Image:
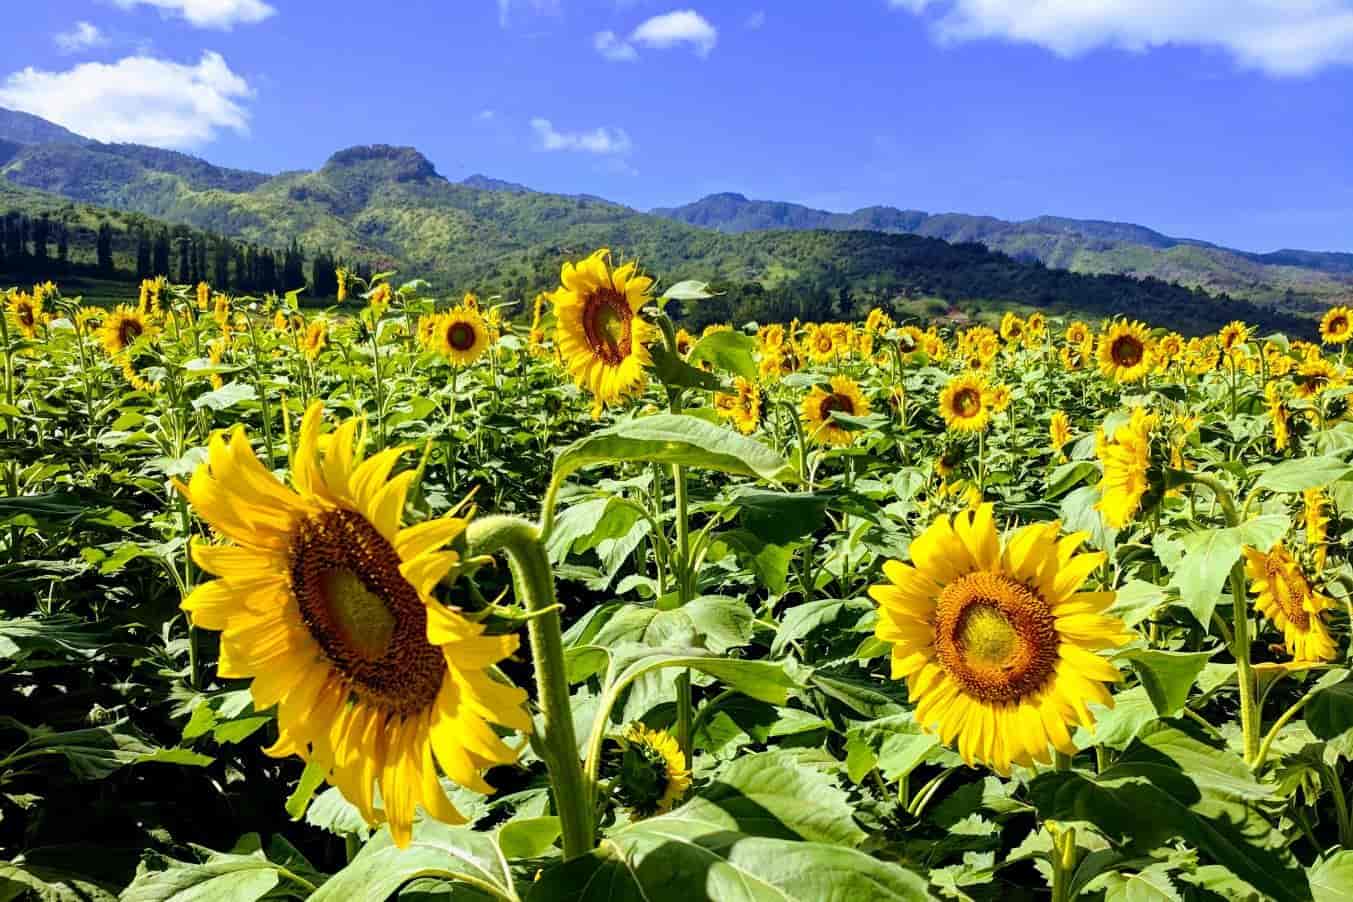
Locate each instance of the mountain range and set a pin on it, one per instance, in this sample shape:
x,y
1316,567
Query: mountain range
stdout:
x,y
389,206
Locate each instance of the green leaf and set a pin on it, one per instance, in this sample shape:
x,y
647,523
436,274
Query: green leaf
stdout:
x,y
1167,676
1203,570
766,681
437,850
25,880
675,439
672,371
774,794
1330,710
729,351
226,396
779,518
223,877
528,837
1302,474
95,752
688,290
1331,878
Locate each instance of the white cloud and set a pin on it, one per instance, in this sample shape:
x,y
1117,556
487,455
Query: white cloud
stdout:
x,y
683,26
756,20
609,45
599,140
505,7
1280,37
224,14
137,99
82,37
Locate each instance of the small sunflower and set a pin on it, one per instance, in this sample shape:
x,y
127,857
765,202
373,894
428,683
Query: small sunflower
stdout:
x,y
1059,432
600,334
684,342
328,605
818,407
88,319
1232,335
1169,350
1202,355
995,640
1314,504
743,407
461,335
965,404
379,299
203,296
1125,351
771,336
934,345
653,775
1283,595
1012,328
1126,459
1035,327
122,328
25,310
998,398
315,338
910,340
820,343
877,321
1279,415
780,362
1075,357
1315,376
1336,327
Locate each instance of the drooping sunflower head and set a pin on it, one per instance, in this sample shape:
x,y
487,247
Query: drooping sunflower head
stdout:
x,y
203,296
652,774
995,639
843,397
1283,595
1125,351
1279,415
461,335
877,321
1316,520
599,332
1059,431
743,407
1233,334
334,612
1126,458
25,311
1012,328
965,403
124,327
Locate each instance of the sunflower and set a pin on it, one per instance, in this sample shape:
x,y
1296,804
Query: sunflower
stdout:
x,y
216,351
461,335
771,337
933,345
742,407
600,334
220,311
1035,327
1314,376
995,640
26,312
818,407
1075,357
1078,333
378,301
965,403
315,338
1202,355
123,327
1279,415
877,321
1317,522
998,398
1125,351
780,362
1059,432
329,606
684,342
910,340
653,775
1233,334
87,319
820,343
1283,595
203,296
1169,350
1012,328
1126,459
1277,360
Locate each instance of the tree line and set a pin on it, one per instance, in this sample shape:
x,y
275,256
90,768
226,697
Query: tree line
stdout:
x,y
41,246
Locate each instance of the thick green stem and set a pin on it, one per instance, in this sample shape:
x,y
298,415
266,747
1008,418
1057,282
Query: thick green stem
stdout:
x,y
534,583
1063,847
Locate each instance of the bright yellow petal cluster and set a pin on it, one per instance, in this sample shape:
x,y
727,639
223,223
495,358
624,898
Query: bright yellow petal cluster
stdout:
x,y
965,403
1126,459
844,397
1283,595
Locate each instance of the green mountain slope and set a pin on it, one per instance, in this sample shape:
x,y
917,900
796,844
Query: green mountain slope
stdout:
x,y
1088,246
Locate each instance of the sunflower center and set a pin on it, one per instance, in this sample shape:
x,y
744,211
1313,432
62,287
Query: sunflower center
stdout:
x,y
1126,351
26,315
608,325
1339,325
995,637
968,402
128,331
824,343
1290,588
460,336
364,615
835,402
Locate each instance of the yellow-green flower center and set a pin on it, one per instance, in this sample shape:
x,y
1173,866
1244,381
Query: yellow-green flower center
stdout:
x,y
608,325
364,620
995,637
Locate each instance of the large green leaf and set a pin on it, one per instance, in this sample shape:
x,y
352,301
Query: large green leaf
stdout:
x,y
222,877
1209,554
1330,710
675,439
95,752
24,880
1167,676
776,794
1302,474
730,351
437,850
1332,878
780,517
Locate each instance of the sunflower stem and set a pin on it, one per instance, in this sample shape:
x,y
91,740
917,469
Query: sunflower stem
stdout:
x,y
533,580
1240,644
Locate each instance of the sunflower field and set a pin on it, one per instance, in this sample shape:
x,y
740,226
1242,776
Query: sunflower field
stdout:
x,y
426,600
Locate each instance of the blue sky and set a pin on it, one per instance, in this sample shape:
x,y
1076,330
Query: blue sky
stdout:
x,y
1227,120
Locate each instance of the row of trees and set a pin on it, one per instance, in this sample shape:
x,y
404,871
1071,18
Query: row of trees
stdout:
x,y
45,247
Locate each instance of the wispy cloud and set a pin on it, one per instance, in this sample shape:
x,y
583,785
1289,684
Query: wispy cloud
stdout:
x,y
223,14
485,115
1283,39
599,140
756,20
506,7
137,99
683,26
82,36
